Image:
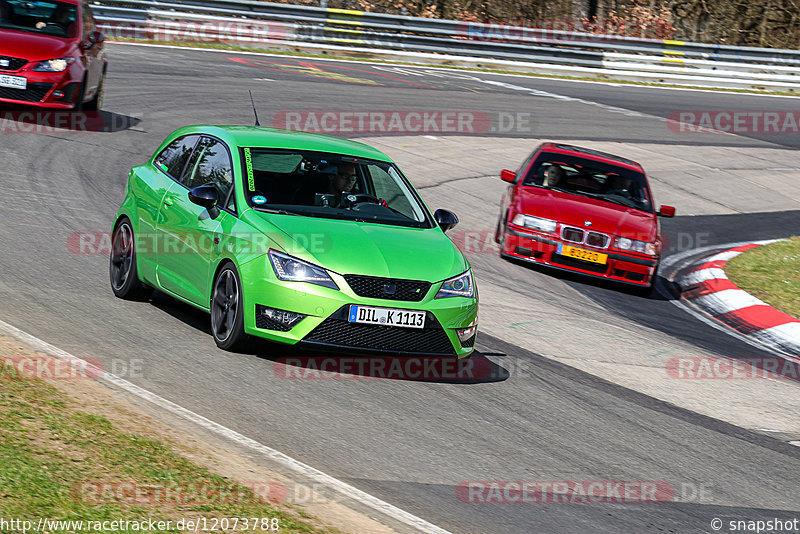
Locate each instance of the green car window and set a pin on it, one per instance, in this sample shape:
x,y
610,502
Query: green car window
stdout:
x,y
388,186
328,185
172,159
276,162
210,164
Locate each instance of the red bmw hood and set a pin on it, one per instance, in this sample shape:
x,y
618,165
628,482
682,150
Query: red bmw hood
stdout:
x,y
575,210
34,47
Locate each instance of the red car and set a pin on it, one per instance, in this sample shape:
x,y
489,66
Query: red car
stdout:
x,y
581,210
51,55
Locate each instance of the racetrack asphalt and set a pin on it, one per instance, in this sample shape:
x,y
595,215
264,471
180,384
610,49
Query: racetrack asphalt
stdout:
x,y
412,443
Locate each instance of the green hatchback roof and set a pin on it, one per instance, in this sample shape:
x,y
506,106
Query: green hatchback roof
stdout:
x,y
259,136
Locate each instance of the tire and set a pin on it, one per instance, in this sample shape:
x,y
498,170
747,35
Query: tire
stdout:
x,y
227,310
97,102
502,241
500,230
81,93
498,233
122,270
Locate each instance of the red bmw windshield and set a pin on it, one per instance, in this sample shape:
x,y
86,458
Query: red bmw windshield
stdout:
x,y
591,178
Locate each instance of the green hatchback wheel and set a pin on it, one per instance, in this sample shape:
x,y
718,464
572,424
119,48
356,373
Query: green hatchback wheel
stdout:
x,y
227,310
125,281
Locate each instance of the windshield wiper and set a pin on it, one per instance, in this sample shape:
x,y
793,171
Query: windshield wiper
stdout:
x,y
601,197
279,212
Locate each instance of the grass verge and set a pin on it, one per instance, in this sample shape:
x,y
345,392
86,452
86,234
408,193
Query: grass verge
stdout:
x,y
62,463
770,273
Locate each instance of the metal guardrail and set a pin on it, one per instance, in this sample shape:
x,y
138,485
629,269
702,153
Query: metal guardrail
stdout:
x,y
269,24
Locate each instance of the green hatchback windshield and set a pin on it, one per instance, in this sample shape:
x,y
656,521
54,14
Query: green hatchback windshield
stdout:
x,y
333,186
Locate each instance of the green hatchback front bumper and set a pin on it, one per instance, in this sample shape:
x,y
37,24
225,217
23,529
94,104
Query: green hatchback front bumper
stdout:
x,y
325,323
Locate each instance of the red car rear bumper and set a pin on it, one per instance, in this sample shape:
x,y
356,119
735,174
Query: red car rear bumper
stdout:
x,y
543,250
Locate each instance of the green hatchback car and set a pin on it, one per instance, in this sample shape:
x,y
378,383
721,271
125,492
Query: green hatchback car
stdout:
x,y
294,237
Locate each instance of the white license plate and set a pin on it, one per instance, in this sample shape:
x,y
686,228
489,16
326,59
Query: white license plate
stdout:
x,y
17,82
387,316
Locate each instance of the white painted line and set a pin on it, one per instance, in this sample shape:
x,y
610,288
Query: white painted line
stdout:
x,y
546,94
703,275
726,301
276,456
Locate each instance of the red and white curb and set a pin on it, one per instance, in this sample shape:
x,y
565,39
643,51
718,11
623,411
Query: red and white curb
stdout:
x,y
705,286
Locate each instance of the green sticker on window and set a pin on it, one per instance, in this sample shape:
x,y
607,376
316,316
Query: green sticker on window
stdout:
x,y
248,162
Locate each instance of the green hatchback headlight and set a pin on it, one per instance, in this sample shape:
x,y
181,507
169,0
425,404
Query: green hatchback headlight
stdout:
x,y
293,269
459,286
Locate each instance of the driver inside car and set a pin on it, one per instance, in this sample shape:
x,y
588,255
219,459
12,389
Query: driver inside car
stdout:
x,y
620,186
342,185
623,186
554,176
60,22
343,180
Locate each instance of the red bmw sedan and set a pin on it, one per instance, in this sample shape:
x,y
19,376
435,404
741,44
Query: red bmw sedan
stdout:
x,y
51,54
581,210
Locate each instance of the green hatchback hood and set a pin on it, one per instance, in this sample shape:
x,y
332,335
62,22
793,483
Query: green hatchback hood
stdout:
x,y
349,247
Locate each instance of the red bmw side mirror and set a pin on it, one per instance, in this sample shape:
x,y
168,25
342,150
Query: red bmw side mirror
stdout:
x,y
508,176
667,211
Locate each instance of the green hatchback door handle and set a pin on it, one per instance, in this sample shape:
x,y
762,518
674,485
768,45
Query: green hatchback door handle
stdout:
x,y
169,201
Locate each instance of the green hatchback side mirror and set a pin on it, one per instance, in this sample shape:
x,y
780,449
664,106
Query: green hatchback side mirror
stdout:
x,y
207,197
